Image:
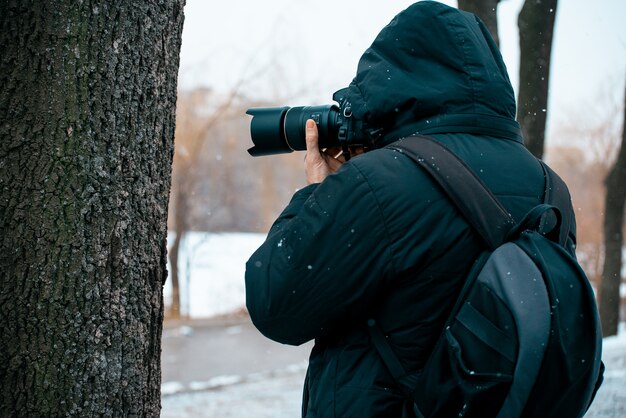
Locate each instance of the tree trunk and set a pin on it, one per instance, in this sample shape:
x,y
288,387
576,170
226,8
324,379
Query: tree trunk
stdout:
x,y
536,25
87,127
486,10
613,239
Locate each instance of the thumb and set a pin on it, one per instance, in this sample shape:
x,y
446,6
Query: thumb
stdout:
x,y
311,137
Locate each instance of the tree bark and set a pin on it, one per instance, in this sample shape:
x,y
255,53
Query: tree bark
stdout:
x,y
87,115
486,10
536,26
613,239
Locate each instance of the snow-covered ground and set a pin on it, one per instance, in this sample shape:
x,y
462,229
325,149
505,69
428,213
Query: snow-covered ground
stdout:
x,y
610,401
278,394
212,284
211,272
270,395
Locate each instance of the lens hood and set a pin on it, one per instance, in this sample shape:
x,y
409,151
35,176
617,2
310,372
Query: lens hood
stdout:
x,y
267,131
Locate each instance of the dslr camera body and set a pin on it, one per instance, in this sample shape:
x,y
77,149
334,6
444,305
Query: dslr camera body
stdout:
x,y
280,130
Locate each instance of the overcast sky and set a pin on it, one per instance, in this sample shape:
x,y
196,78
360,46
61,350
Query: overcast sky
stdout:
x,y
301,52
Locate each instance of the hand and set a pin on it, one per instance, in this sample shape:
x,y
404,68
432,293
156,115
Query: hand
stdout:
x,y
319,164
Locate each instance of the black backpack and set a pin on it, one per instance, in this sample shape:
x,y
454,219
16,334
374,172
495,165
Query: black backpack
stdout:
x,y
523,339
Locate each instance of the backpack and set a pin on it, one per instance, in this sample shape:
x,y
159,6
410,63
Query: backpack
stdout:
x,y
523,338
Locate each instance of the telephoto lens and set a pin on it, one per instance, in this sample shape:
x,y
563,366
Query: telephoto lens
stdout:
x,y
280,130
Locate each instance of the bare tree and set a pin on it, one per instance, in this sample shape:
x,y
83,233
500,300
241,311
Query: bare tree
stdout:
x,y
213,182
196,118
584,177
87,127
536,26
486,10
613,239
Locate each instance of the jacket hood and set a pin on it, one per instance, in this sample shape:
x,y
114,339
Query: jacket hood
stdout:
x,y
433,69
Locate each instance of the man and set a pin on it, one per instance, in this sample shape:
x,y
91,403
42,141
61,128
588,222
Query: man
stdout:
x,y
376,237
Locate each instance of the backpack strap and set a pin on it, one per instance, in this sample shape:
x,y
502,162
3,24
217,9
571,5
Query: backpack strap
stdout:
x,y
557,194
472,197
469,193
535,220
390,358
482,210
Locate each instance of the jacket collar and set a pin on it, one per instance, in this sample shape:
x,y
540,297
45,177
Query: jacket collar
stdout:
x,y
479,124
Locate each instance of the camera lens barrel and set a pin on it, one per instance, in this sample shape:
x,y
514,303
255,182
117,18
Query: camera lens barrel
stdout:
x,y
278,130
325,118
266,129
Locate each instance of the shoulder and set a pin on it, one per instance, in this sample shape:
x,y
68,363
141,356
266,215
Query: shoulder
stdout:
x,y
388,172
384,162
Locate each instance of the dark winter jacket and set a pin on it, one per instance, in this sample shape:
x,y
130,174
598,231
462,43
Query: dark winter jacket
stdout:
x,y
378,239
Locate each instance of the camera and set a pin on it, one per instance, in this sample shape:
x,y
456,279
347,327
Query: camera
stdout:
x,y
279,130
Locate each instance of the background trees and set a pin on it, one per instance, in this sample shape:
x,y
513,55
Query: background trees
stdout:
x,y
87,127
536,28
217,186
613,238
195,119
487,11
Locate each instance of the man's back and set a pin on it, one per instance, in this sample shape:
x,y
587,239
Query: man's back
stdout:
x,y
379,238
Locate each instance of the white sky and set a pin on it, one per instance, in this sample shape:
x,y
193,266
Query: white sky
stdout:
x,y
299,52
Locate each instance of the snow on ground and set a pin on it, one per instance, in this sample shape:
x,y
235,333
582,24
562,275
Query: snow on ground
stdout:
x,y
212,283
278,394
211,275
610,401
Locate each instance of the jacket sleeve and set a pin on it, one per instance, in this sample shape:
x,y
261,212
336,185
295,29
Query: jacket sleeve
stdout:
x,y
324,260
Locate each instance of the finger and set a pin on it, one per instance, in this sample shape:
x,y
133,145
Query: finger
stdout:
x,y
333,163
311,137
